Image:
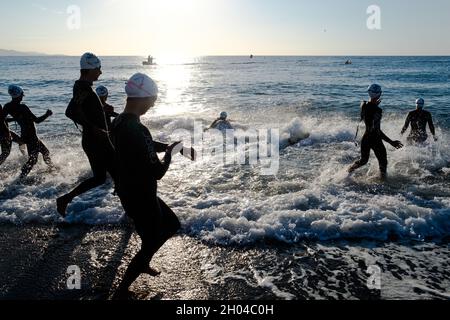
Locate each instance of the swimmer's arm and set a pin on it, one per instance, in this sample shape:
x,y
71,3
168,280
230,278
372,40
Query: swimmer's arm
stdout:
x,y
213,124
109,111
156,167
395,144
385,137
431,124
160,147
406,126
159,169
363,108
40,119
4,114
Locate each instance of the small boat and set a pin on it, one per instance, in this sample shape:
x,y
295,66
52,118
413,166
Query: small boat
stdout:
x,y
149,61
251,56
348,62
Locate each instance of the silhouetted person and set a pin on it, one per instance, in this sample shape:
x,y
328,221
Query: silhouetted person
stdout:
x,y
86,110
103,94
373,138
138,170
419,119
7,137
221,123
27,120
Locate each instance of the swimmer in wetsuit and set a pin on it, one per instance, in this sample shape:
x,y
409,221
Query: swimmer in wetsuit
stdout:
x,y
373,138
103,94
138,170
419,119
221,123
7,137
27,120
95,136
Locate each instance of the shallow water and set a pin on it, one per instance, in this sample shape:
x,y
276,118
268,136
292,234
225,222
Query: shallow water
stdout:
x,y
310,197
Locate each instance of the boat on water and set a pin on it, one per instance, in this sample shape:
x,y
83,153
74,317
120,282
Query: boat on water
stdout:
x,y
348,62
149,61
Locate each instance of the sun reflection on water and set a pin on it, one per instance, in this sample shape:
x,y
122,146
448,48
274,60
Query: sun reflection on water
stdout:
x,y
174,76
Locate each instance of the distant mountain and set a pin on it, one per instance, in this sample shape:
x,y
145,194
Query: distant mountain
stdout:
x,y
5,53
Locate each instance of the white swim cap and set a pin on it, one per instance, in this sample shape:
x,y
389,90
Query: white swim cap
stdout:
x,y
375,91
141,86
420,102
102,91
90,61
223,115
15,91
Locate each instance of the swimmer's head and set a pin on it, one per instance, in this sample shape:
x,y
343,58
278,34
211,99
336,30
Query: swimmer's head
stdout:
x,y
142,92
420,103
15,92
223,116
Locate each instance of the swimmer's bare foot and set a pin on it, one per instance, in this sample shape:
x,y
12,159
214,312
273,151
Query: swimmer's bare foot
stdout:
x,y
151,272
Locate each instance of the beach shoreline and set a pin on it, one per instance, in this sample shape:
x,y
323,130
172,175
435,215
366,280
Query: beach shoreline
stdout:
x,y
34,263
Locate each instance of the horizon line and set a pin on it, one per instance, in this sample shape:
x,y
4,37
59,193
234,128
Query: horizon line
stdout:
x,y
235,55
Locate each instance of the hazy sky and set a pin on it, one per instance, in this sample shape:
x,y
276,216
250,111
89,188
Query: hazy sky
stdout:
x,y
227,27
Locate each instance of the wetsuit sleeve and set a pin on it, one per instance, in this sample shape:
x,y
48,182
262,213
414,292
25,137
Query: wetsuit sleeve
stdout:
x,y
406,126
147,148
109,111
386,138
3,114
160,147
363,110
34,118
431,124
213,124
3,126
377,127
157,168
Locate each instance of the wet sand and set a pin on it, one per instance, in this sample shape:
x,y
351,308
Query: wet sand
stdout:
x,y
34,262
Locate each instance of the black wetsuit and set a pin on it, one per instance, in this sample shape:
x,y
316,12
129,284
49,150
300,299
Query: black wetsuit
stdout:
x,y
138,170
419,120
26,120
95,143
109,113
5,142
373,137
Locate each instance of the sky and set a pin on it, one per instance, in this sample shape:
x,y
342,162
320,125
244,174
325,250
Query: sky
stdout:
x,y
225,27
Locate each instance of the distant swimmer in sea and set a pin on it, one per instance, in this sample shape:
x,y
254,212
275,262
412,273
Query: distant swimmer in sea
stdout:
x,y
103,94
7,137
373,138
221,123
419,119
27,120
86,110
138,171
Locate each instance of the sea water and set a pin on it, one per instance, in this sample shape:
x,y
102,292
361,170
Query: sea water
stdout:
x,y
310,197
